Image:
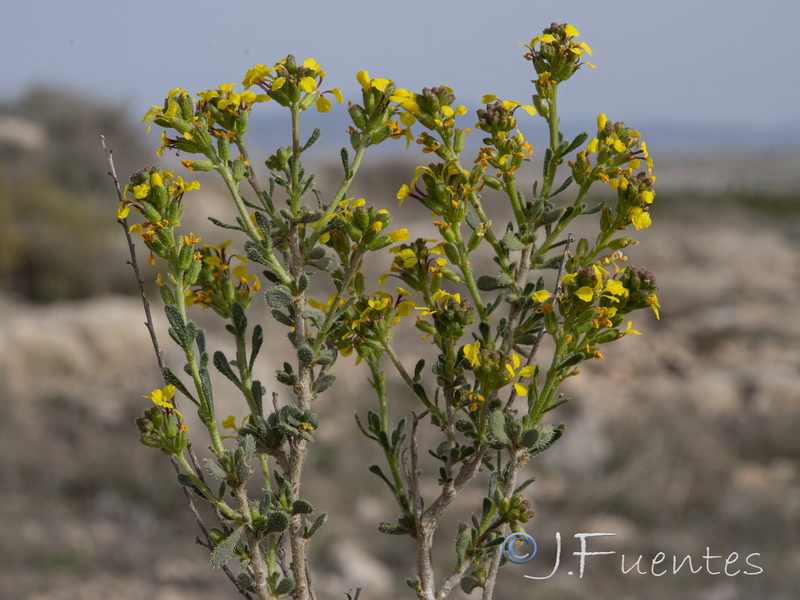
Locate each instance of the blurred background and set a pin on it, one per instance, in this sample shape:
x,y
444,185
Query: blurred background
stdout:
x,y
683,440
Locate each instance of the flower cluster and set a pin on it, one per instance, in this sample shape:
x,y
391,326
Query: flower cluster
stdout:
x,y
218,284
287,82
556,55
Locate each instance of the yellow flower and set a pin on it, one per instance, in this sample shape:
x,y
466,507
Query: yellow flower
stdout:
x,y
630,329
639,217
514,370
471,353
399,236
179,186
652,302
162,398
363,79
308,84
323,105
190,240
140,191
647,196
310,63
541,296
615,288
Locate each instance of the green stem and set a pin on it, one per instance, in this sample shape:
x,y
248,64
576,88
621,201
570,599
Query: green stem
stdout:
x,y
338,196
253,179
295,166
466,271
553,124
223,507
379,383
323,332
205,407
510,187
547,244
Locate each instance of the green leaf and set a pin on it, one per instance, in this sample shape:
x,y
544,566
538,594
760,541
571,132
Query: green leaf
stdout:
x,y
224,550
276,522
205,384
547,437
374,421
302,507
375,469
258,339
558,402
172,379
221,362
186,481
263,222
285,587
571,361
548,163
579,139
551,323
529,438
493,484
239,319
247,444
469,583
392,529
398,435
562,187
511,242
363,430
462,544
314,137
523,485
282,318
318,522
418,369
323,383
219,223
175,318
497,426
245,582
487,283
346,163
216,471
279,296
255,253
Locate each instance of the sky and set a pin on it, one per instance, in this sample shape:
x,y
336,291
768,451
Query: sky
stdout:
x,y
703,66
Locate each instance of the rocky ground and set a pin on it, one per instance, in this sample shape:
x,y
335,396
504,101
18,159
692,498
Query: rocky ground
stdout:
x,y
683,441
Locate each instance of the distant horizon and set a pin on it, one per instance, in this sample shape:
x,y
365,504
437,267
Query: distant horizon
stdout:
x,y
718,64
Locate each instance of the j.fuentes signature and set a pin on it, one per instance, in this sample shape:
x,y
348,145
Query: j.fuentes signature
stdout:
x,y
521,548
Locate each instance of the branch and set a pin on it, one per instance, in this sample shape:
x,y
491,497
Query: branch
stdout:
x,y
134,263
540,335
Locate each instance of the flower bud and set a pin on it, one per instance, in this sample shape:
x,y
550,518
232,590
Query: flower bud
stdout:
x,y
186,105
198,165
224,147
493,182
458,140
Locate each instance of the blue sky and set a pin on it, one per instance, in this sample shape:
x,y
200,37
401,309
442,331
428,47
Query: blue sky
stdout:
x,y
717,64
